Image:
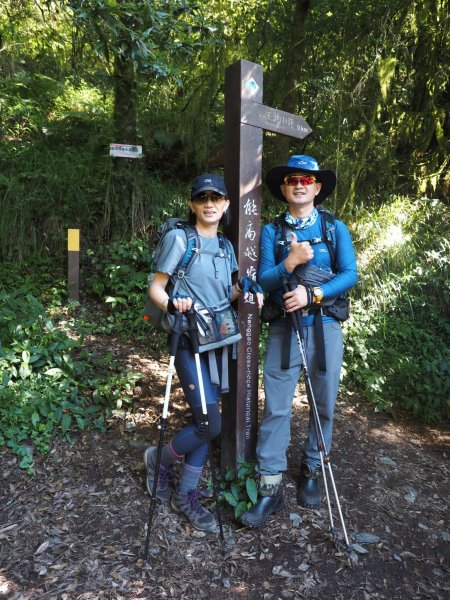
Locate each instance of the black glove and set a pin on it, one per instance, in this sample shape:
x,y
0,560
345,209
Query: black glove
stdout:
x,y
247,284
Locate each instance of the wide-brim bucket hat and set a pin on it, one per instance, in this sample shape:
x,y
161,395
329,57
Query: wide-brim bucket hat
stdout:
x,y
303,164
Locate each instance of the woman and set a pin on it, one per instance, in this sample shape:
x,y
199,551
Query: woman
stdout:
x,y
206,284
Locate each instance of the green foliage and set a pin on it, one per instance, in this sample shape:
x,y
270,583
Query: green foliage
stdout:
x,y
238,488
50,385
118,277
41,276
54,168
397,347
153,35
118,272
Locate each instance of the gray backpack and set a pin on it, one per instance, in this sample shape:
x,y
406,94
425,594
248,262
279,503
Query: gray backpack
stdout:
x,y
217,325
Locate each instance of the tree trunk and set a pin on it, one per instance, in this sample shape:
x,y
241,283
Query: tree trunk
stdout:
x,y
289,92
124,201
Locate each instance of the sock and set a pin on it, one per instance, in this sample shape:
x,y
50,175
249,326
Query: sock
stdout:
x,y
169,456
269,484
190,478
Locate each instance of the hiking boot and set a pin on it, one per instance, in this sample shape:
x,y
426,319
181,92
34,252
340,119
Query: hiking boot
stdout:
x,y
308,492
263,510
165,478
270,502
187,504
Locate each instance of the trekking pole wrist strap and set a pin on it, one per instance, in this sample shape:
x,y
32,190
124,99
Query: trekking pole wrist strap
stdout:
x,y
309,294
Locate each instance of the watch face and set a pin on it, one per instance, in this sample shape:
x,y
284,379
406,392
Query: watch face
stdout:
x,y
318,292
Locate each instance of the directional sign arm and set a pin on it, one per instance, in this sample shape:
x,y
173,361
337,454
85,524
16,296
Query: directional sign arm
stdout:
x,y
272,119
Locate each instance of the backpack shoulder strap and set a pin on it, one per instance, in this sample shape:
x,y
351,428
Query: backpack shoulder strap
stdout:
x,y
328,222
226,248
283,236
191,252
225,245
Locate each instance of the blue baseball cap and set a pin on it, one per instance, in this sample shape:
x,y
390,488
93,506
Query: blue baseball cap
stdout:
x,y
301,163
208,181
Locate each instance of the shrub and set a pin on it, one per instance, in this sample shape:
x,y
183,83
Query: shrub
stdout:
x,y
238,488
49,385
397,346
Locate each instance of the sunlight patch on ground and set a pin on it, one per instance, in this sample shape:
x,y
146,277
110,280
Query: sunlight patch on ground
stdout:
x,y
5,586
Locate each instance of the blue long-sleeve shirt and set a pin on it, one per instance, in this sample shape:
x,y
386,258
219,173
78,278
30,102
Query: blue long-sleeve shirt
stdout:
x,y
271,275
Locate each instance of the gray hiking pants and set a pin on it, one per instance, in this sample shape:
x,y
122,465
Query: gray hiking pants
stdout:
x,y
279,384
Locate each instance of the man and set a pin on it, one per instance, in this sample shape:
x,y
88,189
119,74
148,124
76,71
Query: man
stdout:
x,y
316,262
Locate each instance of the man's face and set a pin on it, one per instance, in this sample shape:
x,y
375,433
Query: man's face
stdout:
x,y
300,189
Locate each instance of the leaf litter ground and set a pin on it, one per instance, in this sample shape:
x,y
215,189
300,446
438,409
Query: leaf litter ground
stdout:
x,y
75,530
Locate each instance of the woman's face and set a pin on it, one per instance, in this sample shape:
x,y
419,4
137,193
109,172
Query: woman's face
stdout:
x,y
208,207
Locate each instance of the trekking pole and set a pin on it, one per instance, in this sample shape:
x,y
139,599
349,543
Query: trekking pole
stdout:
x,y
193,334
323,453
175,336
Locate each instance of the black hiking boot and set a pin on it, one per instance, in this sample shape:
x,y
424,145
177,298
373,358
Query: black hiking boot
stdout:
x,y
263,510
270,502
308,491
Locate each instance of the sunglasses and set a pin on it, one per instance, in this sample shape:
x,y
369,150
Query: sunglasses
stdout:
x,y
203,198
301,179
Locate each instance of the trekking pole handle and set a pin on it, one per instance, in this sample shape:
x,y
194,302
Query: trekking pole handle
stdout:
x,y
175,333
193,331
289,286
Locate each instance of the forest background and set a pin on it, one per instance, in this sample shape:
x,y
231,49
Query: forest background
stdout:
x,y
370,78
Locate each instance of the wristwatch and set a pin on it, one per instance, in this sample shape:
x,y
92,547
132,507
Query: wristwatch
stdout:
x,y
318,295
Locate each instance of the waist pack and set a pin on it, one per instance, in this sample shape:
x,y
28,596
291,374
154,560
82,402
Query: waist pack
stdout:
x,y
217,326
336,307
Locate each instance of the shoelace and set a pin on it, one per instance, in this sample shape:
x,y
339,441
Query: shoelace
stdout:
x,y
194,503
166,476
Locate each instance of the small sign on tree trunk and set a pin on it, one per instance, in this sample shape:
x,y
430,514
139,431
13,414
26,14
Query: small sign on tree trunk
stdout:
x,y
125,151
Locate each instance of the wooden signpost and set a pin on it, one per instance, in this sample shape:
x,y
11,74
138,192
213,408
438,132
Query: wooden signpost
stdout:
x,y
245,119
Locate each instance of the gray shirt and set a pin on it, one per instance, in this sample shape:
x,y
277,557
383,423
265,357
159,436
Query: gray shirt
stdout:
x,y
209,277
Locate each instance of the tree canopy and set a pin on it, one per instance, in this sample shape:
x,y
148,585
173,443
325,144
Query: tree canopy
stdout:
x,y
371,79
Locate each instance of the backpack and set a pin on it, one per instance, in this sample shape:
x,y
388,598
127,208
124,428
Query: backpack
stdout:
x,y
157,317
217,325
328,223
339,309
211,333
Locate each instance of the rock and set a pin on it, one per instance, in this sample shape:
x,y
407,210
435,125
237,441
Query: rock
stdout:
x,y
411,496
366,538
359,549
296,519
387,461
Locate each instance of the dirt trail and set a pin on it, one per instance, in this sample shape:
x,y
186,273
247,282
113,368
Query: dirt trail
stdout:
x,y
75,530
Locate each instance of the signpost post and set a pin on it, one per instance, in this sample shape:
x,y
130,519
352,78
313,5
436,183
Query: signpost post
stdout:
x,y
245,119
73,264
